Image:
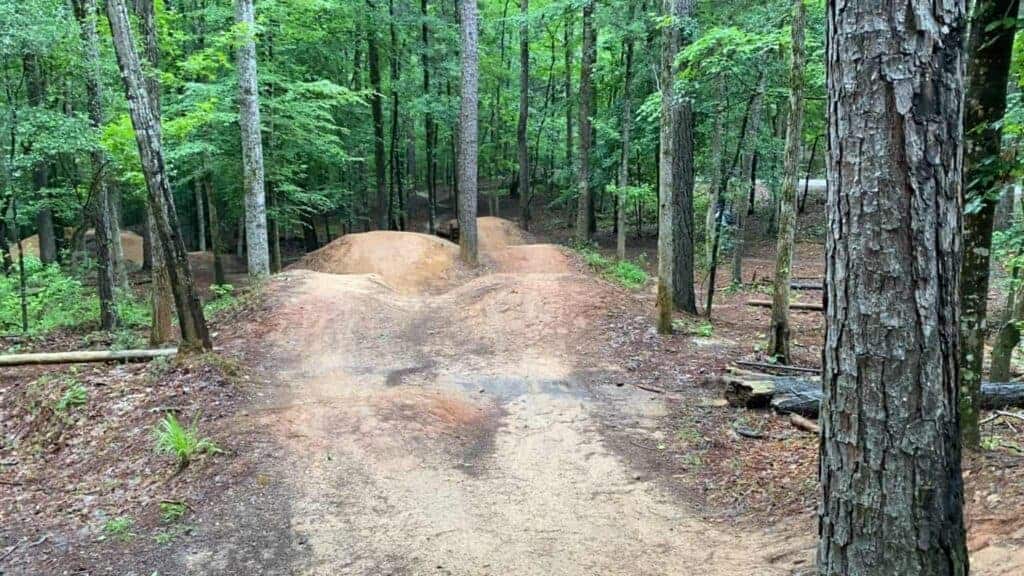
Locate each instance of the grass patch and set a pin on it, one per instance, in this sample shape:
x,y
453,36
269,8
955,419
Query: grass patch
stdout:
x,y
119,528
624,272
182,441
74,395
698,328
172,511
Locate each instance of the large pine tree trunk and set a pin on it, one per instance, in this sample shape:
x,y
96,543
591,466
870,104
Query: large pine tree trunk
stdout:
x,y
627,126
588,57
666,177
991,46
86,14
683,297
381,206
890,449
252,145
147,135
778,333
468,130
524,115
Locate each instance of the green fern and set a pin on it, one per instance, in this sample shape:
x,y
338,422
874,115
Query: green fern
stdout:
x,y
182,442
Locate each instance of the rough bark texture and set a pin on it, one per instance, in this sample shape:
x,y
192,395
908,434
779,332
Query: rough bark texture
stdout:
x,y
86,14
381,206
162,296
742,199
778,333
468,130
627,126
666,178
147,135
524,115
993,25
252,145
892,489
587,59
683,296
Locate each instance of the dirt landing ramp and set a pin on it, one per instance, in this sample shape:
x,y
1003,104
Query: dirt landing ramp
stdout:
x,y
411,263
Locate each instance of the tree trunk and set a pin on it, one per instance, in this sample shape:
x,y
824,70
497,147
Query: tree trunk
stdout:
x,y
715,183
587,60
747,169
683,297
567,41
666,165
252,145
778,333
802,204
524,114
985,175
274,232
36,92
86,14
200,217
467,178
627,126
429,129
147,135
1009,334
162,296
890,473
381,208
216,234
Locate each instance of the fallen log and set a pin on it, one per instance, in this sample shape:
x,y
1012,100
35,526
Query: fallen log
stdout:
x,y
84,356
802,395
804,423
765,366
792,305
795,285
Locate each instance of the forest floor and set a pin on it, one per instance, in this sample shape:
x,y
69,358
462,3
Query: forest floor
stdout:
x,y
385,411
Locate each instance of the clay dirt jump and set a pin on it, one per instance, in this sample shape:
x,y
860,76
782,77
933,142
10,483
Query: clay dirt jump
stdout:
x,y
425,425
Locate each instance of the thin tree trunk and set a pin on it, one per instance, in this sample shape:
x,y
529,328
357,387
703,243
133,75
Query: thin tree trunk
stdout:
x,y
993,27
891,480
86,14
779,333
467,179
567,41
382,206
430,139
1008,336
147,135
802,204
252,144
200,217
36,93
216,233
747,169
627,126
587,59
524,115
715,183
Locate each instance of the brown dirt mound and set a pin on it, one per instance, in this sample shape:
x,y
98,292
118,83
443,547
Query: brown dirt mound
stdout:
x,y
497,233
531,259
406,261
131,242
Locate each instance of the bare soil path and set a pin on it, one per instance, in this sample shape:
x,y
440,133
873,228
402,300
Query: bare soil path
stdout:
x,y
460,432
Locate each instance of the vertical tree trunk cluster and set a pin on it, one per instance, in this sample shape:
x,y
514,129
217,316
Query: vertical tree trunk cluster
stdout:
x,y
890,472
429,128
742,197
993,26
468,132
252,145
147,135
382,206
779,333
587,60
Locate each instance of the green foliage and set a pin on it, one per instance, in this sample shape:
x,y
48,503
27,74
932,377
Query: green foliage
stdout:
x,y
119,528
181,441
172,511
699,328
75,394
624,272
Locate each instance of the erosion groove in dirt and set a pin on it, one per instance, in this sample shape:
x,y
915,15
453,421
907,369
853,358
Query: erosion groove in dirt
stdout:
x,y
458,433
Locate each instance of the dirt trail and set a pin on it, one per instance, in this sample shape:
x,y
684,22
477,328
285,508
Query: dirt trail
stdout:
x,y
457,433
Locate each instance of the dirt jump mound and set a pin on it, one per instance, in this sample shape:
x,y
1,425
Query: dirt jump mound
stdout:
x,y
531,259
406,261
497,233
